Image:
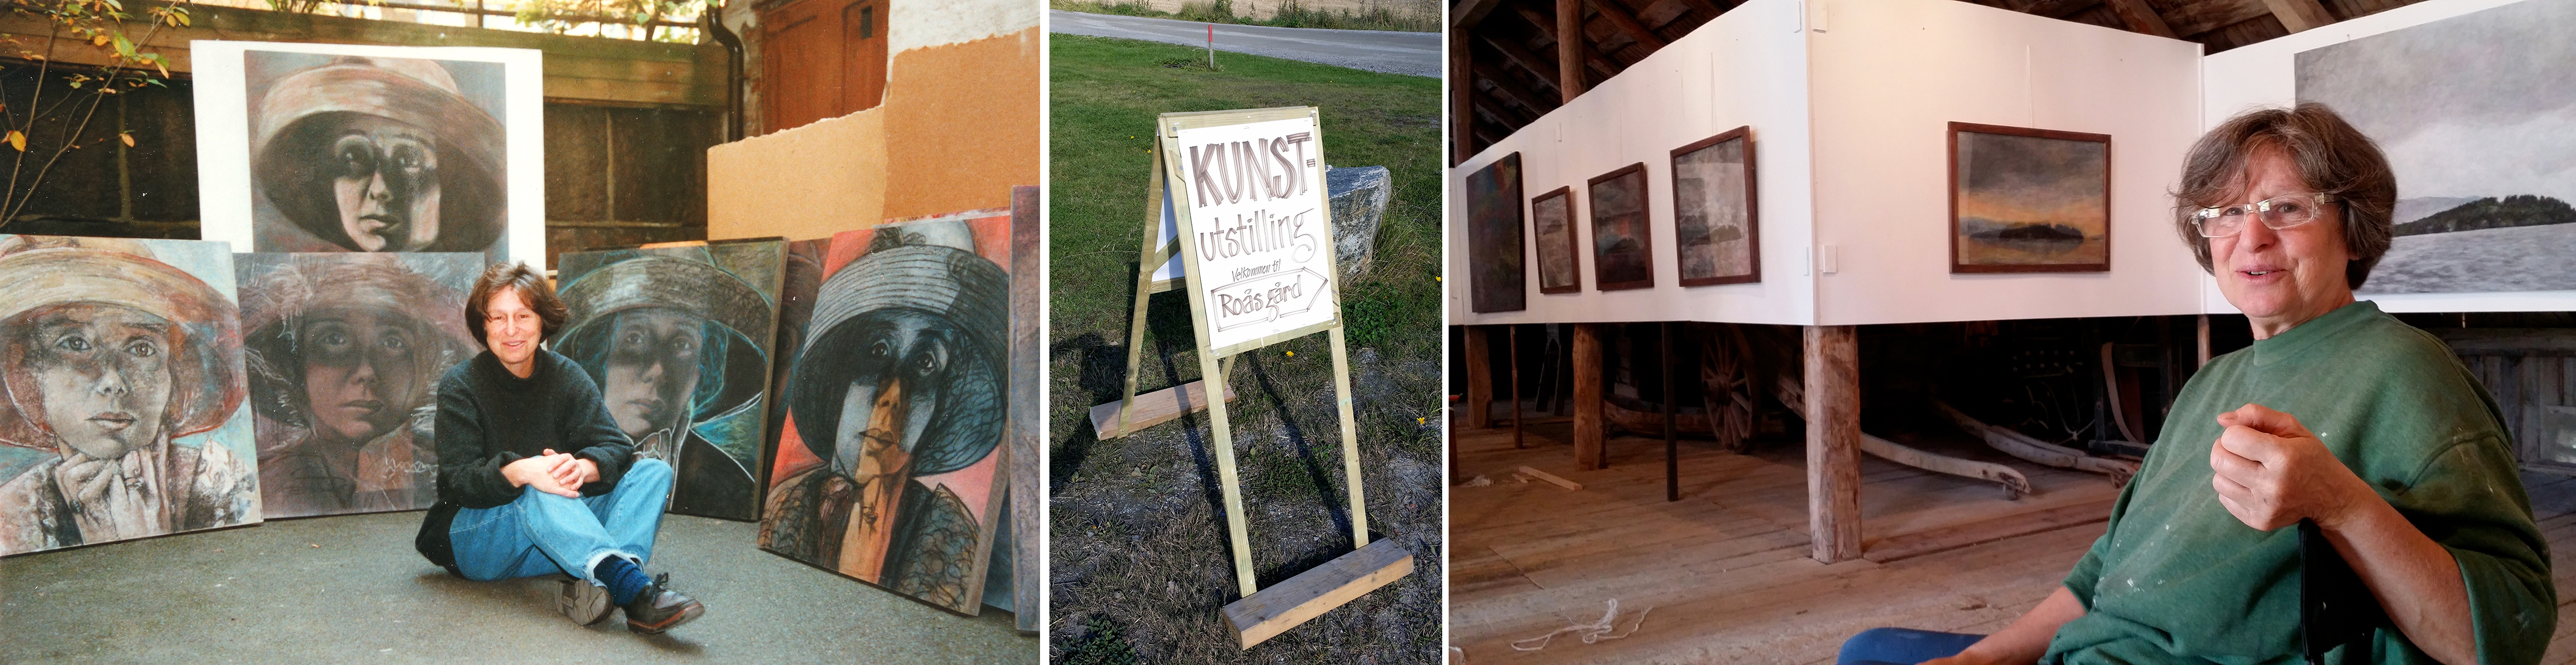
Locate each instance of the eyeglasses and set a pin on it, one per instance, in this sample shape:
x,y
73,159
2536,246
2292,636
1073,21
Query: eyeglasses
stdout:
x,y
2279,212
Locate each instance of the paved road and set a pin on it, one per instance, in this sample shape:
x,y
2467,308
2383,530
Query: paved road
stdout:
x,y
1413,53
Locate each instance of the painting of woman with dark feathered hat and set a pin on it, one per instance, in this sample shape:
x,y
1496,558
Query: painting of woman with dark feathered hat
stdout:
x,y
373,154
896,406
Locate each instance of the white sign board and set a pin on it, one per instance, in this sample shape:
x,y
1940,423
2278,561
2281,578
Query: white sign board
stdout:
x,y
1261,234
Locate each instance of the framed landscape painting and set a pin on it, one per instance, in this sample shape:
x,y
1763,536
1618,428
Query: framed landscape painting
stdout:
x,y
1622,256
1715,234
2029,200
1552,214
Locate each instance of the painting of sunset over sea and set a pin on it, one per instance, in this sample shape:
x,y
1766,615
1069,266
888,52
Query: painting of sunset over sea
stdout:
x,y
2029,200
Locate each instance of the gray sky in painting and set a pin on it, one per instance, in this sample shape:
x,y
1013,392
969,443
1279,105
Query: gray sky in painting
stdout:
x,y
2482,104
2025,168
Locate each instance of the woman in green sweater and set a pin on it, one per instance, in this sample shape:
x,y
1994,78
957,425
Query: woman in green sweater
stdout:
x,y
2338,414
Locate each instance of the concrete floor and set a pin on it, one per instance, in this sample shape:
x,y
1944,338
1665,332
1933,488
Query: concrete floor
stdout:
x,y
350,589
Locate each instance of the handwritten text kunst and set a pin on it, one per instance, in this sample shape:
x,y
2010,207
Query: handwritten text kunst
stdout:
x,y
1259,169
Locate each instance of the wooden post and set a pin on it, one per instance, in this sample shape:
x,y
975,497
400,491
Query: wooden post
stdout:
x,y
1462,82
1480,380
1515,355
1672,442
1569,48
2204,341
1587,396
1833,442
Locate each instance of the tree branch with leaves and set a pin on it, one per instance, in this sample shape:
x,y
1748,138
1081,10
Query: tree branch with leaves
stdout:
x,y
99,25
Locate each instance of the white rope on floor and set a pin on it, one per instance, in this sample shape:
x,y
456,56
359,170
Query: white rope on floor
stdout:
x,y
1589,632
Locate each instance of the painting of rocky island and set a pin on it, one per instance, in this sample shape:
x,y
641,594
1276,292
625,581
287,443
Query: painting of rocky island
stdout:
x,y
2029,200
2477,115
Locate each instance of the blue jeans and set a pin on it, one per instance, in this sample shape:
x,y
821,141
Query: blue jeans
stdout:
x,y
1903,646
545,534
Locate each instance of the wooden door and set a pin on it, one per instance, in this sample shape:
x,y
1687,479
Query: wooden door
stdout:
x,y
822,59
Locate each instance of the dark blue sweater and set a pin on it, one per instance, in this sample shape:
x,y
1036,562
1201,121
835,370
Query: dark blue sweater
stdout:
x,y
488,418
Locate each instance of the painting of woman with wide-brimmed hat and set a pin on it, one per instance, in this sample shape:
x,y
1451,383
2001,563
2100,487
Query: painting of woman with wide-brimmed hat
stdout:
x,y
111,361
376,154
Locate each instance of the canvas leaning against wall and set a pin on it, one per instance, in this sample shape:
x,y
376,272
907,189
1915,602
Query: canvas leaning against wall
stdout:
x,y
888,466
345,148
2029,200
126,416
2477,116
343,352
1717,237
679,340
1494,236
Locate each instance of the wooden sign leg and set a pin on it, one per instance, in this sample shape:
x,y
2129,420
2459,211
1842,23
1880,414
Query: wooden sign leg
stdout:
x,y
1221,441
1587,396
1351,439
1833,441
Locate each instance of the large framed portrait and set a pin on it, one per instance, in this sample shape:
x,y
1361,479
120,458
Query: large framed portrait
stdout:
x,y
353,148
1622,255
1716,230
1552,214
2029,200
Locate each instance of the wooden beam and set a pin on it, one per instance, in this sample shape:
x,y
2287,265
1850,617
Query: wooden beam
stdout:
x,y
1588,430
2058,8
2193,18
1569,49
1462,117
1833,442
1480,380
2299,15
1538,65
1152,409
1628,23
1310,594
1705,8
2141,18
1550,478
1509,117
1465,16
1519,93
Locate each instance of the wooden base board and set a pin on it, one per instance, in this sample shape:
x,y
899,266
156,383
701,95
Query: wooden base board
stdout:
x,y
1269,612
1153,408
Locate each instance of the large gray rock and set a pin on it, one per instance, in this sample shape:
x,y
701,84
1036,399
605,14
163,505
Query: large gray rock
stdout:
x,y
1359,196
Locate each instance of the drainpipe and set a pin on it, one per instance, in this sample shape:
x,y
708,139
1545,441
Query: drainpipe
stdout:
x,y
733,70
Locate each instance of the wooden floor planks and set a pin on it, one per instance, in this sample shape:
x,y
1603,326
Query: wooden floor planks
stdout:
x,y
1725,570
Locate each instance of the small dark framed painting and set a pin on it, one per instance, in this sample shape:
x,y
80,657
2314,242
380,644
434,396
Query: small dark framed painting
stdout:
x,y
1717,239
1552,214
1494,275
1622,257
2029,200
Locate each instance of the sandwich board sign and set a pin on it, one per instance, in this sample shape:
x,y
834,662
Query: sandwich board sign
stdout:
x,y
1237,218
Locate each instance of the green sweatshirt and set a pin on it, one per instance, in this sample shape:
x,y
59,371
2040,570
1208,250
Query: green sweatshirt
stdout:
x,y
2178,579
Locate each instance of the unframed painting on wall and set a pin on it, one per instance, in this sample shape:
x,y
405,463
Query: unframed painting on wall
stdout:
x,y
1623,256
2477,116
680,341
2029,200
1716,228
125,414
351,148
343,352
888,464
1494,274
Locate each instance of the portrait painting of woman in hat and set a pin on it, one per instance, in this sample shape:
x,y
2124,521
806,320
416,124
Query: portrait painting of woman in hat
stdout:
x,y
678,339
901,378
342,353
372,154
108,357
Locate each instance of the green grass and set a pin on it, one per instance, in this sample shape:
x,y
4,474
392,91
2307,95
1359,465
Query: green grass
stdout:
x,y
1416,16
1140,560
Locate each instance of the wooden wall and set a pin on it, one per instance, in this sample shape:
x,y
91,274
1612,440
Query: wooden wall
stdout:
x,y
2532,373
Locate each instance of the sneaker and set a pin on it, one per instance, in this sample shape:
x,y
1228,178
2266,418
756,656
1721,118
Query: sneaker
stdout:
x,y
582,602
658,608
